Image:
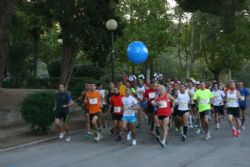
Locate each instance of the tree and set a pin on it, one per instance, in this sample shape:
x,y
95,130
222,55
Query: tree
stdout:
x,y
6,13
145,21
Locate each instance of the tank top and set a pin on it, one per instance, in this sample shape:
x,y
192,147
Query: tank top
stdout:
x,y
183,101
164,109
232,99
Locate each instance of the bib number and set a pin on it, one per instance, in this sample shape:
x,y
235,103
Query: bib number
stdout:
x,y
117,109
151,95
163,104
93,101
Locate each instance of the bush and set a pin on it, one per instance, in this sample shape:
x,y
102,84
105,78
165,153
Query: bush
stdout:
x,y
37,110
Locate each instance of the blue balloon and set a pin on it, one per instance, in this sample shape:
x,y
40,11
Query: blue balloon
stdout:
x,y
137,52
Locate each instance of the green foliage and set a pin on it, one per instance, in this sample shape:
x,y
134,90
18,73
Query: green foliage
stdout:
x,y
146,21
37,110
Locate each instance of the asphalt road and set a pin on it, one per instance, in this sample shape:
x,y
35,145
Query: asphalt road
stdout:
x,y
222,150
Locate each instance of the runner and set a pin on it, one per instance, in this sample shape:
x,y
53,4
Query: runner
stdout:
x,y
233,111
129,119
140,90
111,92
103,93
193,116
183,100
149,96
218,104
243,103
163,112
203,96
62,103
174,93
116,109
93,100
85,110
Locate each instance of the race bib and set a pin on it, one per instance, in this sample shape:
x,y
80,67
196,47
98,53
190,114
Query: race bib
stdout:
x,y
183,104
163,104
204,101
151,95
117,109
231,100
93,101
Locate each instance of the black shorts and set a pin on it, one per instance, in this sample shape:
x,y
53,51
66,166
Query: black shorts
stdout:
x,y
205,113
92,115
116,117
243,108
194,106
175,113
160,117
219,109
181,113
235,111
62,115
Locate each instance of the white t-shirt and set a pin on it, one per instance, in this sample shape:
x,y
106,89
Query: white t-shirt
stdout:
x,y
232,99
218,97
103,94
183,101
127,102
140,92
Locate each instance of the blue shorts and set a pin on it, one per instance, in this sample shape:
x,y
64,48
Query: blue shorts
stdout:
x,y
129,119
142,105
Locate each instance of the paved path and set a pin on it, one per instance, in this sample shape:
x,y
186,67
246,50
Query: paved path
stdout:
x,y
221,151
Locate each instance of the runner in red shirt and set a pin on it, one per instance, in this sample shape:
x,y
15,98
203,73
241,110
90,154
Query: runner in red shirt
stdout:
x,y
163,112
116,109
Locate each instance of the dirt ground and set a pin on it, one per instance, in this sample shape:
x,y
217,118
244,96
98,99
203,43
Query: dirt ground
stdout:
x,y
17,134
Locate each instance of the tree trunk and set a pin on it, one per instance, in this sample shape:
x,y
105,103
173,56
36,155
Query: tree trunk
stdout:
x,y
6,13
216,75
148,71
67,63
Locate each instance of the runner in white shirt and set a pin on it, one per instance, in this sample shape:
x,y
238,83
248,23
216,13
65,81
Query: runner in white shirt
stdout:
x,y
183,100
140,90
193,114
129,118
103,116
233,110
218,104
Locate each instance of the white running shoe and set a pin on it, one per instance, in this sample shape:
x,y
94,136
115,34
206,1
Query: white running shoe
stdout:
x,y
61,135
129,136
68,139
217,126
134,142
243,127
198,131
98,137
208,136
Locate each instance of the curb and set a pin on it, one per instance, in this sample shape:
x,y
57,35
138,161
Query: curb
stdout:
x,y
35,142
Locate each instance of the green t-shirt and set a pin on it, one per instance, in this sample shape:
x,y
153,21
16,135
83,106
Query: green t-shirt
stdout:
x,y
203,97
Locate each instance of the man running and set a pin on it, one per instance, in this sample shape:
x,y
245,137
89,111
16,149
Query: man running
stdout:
x,y
149,96
93,100
129,119
193,115
203,96
218,104
233,111
117,112
103,94
62,103
163,112
140,90
243,103
183,101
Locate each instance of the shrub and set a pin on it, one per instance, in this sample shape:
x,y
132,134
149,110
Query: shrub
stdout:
x,y
37,110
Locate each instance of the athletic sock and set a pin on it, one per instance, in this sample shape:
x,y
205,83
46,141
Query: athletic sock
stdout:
x,y
185,129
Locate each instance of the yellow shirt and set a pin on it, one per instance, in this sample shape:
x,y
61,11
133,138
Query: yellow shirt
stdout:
x,y
122,89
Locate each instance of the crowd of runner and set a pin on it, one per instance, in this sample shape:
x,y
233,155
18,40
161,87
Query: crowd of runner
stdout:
x,y
183,105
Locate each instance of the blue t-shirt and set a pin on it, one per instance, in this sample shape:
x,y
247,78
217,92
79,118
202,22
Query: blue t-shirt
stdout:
x,y
245,93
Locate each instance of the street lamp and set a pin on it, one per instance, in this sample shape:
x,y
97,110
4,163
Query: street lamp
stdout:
x,y
111,25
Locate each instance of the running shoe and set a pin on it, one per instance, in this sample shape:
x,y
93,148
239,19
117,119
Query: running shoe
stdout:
x,y
68,138
129,136
162,143
243,127
234,133
89,135
134,142
198,131
98,137
217,126
61,135
183,138
208,136
238,133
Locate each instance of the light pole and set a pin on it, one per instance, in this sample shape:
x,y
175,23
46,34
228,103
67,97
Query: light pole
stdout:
x,y
111,25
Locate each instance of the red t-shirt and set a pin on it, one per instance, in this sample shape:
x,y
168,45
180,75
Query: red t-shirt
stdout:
x,y
165,108
116,102
150,94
